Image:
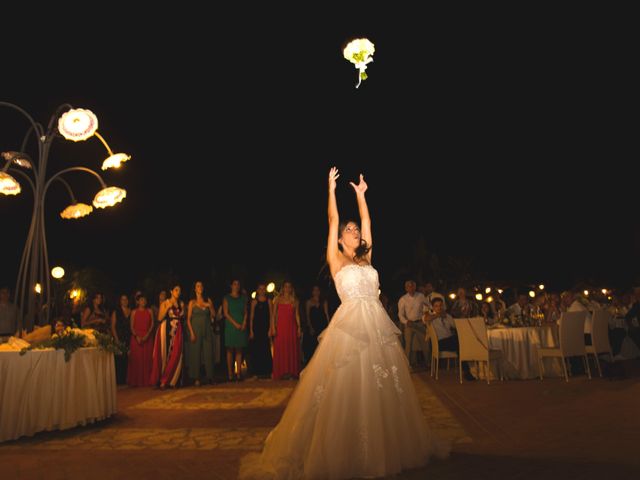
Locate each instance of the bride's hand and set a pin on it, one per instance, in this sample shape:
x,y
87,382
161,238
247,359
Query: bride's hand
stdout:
x,y
333,176
361,187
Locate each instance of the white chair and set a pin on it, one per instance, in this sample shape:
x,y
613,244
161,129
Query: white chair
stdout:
x,y
599,336
571,328
474,345
436,354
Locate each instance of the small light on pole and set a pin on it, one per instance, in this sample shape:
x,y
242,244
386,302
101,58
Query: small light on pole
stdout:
x,y
57,272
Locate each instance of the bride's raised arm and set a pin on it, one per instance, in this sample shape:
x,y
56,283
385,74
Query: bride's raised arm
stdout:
x,y
333,252
365,219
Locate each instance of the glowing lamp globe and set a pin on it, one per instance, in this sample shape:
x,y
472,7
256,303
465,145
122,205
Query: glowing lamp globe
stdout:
x,y
57,272
77,210
78,124
108,197
8,184
115,160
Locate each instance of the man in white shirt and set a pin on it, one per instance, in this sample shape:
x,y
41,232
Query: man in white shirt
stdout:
x,y
410,308
445,330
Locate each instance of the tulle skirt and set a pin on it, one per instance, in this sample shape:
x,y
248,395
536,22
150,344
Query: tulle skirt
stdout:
x,y
354,412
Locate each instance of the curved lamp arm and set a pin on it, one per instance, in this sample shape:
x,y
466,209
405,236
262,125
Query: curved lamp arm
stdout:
x,y
104,142
68,187
71,169
34,126
25,176
55,116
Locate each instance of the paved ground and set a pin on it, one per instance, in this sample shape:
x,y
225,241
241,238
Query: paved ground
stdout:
x,y
517,430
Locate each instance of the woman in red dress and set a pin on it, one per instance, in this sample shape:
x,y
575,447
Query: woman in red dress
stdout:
x,y
141,349
285,328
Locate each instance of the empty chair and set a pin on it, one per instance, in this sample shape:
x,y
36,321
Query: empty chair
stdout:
x,y
599,336
571,327
436,354
474,345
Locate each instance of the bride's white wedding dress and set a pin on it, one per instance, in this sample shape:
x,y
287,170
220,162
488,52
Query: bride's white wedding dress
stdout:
x,y
354,412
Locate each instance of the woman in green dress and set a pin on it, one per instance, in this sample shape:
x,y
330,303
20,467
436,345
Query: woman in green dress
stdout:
x,y
234,307
200,346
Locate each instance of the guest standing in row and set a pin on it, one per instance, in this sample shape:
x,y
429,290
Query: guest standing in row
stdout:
x,y
141,344
94,316
317,310
121,332
234,307
259,324
200,350
286,332
167,349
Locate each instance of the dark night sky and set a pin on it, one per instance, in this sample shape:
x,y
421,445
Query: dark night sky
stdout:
x,y
503,142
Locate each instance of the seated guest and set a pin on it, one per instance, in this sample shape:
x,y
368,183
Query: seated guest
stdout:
x,y
498,306
518,313
446,332
551,309
463,307
487,313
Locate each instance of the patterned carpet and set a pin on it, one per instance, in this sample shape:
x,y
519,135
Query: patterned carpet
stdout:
x,y
250,397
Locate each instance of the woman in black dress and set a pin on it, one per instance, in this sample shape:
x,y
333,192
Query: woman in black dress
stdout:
x,y
259,320
317,309
121,331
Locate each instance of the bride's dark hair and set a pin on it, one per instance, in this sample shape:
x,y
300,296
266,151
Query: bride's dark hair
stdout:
x,y
362,249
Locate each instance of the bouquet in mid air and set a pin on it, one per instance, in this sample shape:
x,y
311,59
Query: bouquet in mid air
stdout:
x,y
360,53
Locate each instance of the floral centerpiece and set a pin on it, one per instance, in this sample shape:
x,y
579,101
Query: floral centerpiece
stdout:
x,y
71,339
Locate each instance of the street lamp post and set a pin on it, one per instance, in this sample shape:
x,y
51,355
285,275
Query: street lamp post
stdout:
x,y
75,125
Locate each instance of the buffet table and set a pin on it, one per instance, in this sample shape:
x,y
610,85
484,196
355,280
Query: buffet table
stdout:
x,y
40,391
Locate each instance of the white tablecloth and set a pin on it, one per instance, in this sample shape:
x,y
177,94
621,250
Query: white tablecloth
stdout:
x,y
40,391
519,348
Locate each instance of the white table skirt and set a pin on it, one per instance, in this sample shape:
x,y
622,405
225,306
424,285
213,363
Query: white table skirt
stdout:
x,y
40,391
519,348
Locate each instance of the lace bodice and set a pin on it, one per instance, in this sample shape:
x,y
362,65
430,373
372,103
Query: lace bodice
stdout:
x,y
357,281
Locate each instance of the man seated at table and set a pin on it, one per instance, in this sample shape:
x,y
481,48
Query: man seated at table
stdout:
x,y
518,313
445,330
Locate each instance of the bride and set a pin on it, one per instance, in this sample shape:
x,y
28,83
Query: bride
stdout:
x,y
354,412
